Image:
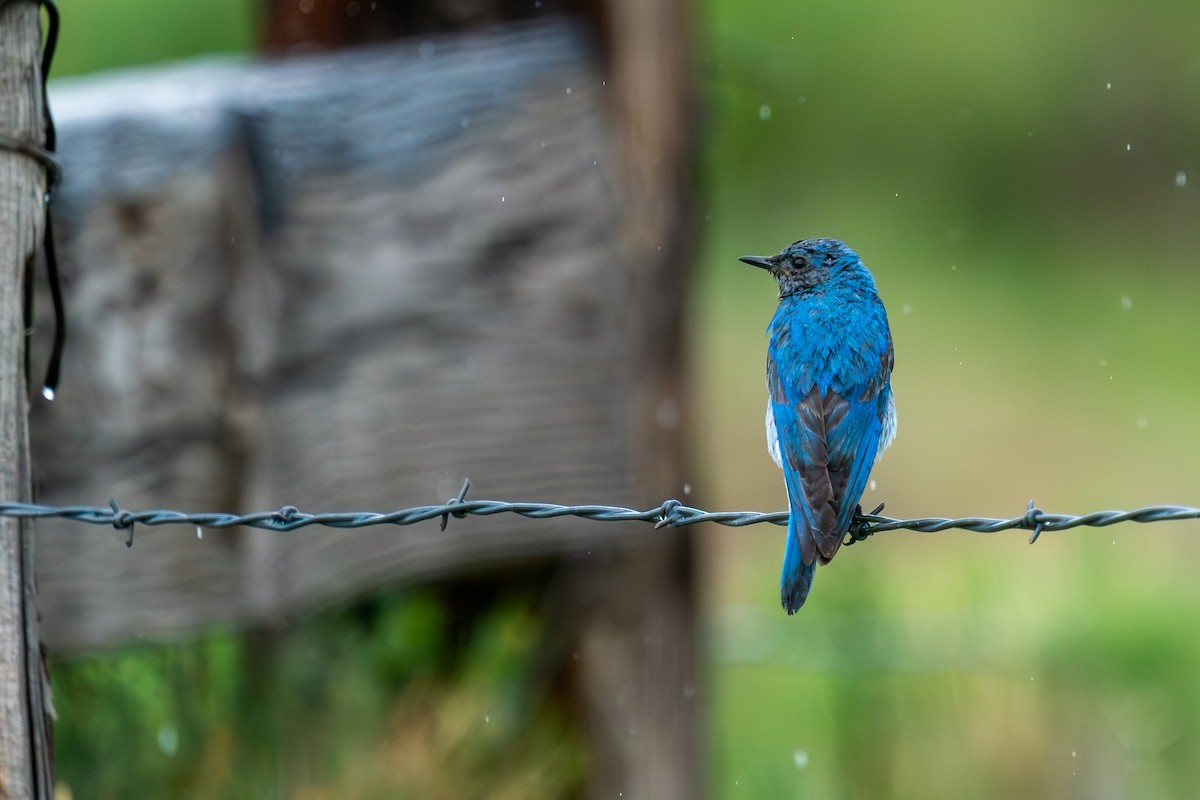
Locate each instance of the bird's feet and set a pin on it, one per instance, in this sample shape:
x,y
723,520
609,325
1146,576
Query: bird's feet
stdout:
x,y
861,526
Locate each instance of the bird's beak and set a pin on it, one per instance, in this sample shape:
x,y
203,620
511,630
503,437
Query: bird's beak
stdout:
x,y
758,261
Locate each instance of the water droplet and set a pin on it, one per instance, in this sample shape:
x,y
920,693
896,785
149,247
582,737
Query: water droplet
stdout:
x,y
568,90
502,198
1142,422
1181,179
1072,754
1126,303
168,739
764,112
906,309
800,759
199,532
48,393
487,718
874,485
1108,86
1128,147
953,267
687,488
667,414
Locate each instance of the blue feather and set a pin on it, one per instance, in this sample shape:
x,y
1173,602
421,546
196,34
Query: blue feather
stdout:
x,y
797,577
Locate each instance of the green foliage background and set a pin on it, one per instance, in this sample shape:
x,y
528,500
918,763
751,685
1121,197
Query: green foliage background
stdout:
x,y
1023,180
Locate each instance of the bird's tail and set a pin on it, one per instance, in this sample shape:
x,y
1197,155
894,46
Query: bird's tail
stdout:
x,y
797,576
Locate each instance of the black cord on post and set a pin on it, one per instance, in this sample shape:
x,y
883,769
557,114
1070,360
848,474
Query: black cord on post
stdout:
x,y
44,155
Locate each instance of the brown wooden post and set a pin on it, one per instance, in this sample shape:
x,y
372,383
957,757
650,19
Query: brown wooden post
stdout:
x,y
25,763
636,623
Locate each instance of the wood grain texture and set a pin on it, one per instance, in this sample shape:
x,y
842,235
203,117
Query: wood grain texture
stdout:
x,y
25,771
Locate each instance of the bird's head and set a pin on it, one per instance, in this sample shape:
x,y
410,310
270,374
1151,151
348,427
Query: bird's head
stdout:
x,y
806,264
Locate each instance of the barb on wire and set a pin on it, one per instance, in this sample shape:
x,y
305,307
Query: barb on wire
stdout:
x,y
670,514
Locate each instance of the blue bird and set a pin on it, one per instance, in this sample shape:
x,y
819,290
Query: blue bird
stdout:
x,y
830,410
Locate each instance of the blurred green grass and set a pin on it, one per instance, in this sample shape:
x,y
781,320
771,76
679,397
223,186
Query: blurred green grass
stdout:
x,y
1010,175
392,697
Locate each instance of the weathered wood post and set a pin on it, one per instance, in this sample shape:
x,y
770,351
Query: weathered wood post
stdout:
x,y
25,764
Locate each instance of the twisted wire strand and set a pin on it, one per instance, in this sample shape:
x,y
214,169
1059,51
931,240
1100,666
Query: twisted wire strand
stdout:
x,y
671,513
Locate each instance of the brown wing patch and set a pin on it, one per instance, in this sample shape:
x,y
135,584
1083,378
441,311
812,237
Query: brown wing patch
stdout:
x,y
774,384
828,545
823,489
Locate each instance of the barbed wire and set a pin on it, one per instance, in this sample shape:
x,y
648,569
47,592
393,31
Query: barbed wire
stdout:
x,y
669,514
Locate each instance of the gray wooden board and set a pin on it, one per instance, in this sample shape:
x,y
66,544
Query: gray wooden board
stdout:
x,y
341,282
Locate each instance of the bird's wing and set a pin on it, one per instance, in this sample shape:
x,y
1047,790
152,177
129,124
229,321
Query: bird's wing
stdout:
x,y
827,442
866,428
854,444
802,424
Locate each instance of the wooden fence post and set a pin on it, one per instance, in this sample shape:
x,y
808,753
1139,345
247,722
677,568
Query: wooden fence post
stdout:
x,y
25,759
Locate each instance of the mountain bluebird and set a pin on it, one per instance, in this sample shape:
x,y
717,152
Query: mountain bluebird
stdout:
x,y
830,410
